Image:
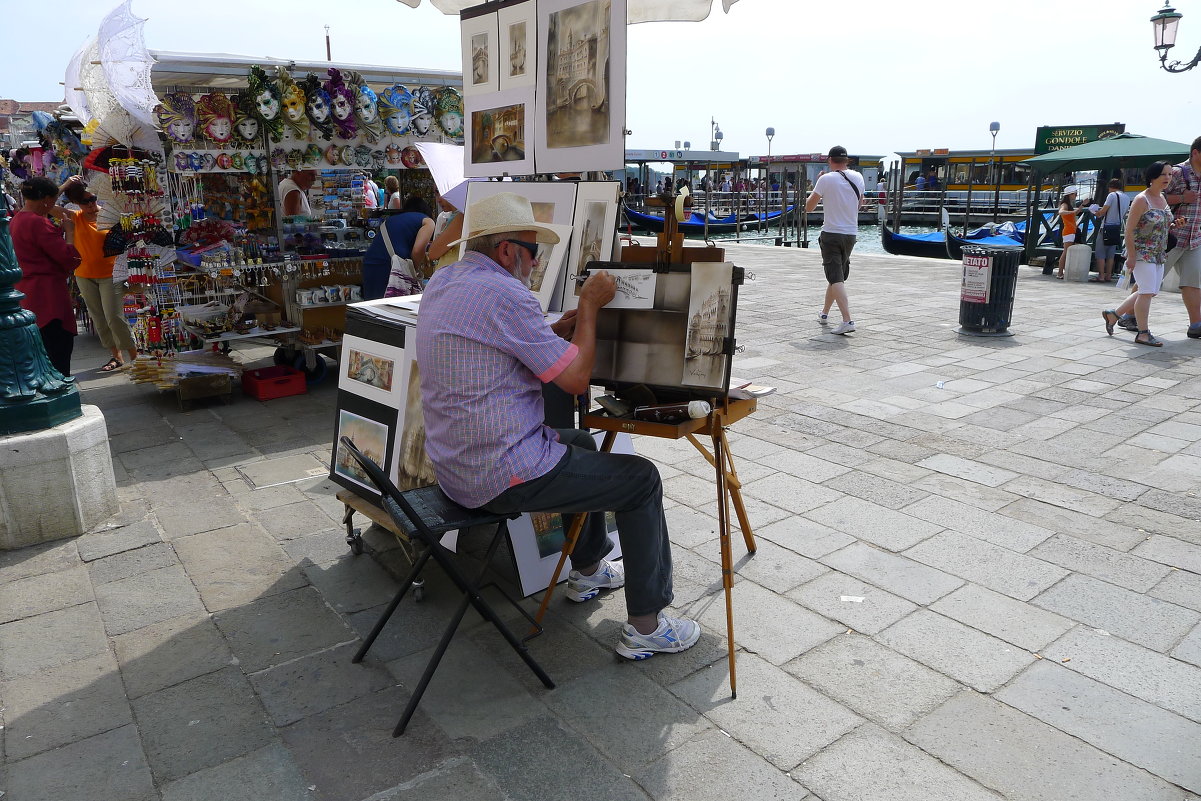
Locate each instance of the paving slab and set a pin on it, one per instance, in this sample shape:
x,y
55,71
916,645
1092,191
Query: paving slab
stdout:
x,y
1025,759
34,644
1135,731
997,568
1126,570
111,766
455,780
690,773
96,545
351,585
188,517
768,624
879,525
876,489
1171,551
1189,648
1143,673
131,563
349,751
998,529
902,576
782,719
1180,587
167,653
50,557
315,682
872,680
236,565
63,704
1101,531
870,763
146,598
283,470
200,723
834,595
976,659
1018,622
1148,621
777,568
278,628
803,536
268,773
788,492
44,593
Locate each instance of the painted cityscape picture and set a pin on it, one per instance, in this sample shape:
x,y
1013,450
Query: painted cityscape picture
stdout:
x,y
709,308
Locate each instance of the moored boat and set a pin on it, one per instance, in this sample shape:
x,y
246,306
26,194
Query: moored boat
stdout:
x,y
696,223
935,244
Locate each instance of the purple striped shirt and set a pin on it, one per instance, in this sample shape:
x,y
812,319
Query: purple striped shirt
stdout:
x,y
484,351
1189,236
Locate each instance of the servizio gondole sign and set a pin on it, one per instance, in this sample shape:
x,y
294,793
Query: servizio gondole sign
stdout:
x,y
1048,138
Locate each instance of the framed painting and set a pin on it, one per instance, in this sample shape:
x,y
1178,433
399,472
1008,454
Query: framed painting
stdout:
x,y
536,538
518,45
480,41
592,236
554,205
371,427
580,117
499,134
411,467
710,315
371,369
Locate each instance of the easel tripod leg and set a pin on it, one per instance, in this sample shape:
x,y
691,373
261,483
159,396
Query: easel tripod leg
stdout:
x,y
735,492
727,558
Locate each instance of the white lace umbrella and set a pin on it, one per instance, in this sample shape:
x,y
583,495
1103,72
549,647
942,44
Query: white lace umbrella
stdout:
x,y
127,63
75,97
637,11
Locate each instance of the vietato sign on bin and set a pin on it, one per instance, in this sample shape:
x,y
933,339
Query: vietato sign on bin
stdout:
x,y
977,277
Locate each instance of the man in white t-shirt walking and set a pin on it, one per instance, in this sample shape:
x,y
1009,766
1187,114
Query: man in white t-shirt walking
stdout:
x,y
840,191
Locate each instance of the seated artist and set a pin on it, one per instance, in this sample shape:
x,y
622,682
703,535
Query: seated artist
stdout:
x,y
484,350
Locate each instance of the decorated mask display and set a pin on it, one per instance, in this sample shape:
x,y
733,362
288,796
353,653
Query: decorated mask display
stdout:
x,y
392,155
295,117
312,156
278,158
450,111
265,100
216,115
411,157
332,157
246,125
394,108
362,156
424,106
317,106
377,160
177,117
366,109
342,104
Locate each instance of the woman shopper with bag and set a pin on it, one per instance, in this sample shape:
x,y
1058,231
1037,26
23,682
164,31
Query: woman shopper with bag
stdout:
x,y
103,297
388,264
1146,245
1112,214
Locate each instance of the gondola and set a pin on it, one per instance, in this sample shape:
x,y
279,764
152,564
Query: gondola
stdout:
x,y
933,245
695,224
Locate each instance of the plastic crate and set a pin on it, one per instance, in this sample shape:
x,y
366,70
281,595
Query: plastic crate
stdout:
x,y
269,383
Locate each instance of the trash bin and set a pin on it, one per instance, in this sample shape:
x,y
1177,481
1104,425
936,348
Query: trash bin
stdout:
x,y
990,277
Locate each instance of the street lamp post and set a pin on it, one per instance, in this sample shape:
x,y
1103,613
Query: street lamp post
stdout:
x,y
1165,24
715,134
770,133
993,128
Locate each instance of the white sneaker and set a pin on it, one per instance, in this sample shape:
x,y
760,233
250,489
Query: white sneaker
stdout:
x,y
847,327
673,635
823,318
608,576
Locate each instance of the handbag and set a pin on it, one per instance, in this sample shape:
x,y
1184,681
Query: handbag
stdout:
x,y
402,275
1171,242
1111,233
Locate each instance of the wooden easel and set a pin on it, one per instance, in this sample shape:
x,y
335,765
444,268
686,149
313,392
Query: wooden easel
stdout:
x,y
670,250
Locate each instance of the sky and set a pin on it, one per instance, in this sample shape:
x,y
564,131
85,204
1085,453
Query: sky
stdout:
x,y
876,76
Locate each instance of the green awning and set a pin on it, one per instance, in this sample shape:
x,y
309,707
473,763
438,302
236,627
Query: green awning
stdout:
x,y
1122,151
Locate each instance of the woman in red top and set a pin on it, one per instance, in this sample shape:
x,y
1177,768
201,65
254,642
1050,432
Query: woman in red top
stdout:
x,y
46,260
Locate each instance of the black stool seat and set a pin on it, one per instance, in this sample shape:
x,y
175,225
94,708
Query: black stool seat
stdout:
x,y
424,514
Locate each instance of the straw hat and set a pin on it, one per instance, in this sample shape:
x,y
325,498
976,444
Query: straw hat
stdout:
x,y
504,213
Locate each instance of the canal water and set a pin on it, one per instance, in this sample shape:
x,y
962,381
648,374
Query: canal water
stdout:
x,y
868,240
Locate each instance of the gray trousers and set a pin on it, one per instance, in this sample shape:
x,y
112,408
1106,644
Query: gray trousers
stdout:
x,y
586,480
105,301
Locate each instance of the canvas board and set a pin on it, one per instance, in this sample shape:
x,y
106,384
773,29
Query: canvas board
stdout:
x,y
499,134
518,25
582,85
536,539
411,467
372,428
553,204
710,309
480,42
371,369
595,222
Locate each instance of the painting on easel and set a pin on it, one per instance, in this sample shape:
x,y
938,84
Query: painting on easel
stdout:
x,y
709,322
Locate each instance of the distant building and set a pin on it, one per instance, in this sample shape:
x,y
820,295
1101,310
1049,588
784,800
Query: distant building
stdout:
x,y
16,120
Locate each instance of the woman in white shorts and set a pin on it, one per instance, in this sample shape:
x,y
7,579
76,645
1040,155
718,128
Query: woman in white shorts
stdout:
x,y
1146,243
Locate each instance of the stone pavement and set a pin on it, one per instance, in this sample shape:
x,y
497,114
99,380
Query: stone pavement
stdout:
x,y
978,577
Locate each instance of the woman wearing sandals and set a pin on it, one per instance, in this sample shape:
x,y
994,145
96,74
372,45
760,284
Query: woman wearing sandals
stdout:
x,y
1067,213
1146,243
94,277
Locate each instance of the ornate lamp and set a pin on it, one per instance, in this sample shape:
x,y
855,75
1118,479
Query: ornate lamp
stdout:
x,y
1165,24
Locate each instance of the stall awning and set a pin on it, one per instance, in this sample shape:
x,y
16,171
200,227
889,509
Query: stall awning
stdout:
x,y
637,10
1117,152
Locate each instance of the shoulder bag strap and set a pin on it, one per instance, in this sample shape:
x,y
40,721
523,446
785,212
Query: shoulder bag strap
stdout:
x,y
843,173
383,229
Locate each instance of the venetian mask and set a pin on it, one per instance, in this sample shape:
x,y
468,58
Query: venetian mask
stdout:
x,y
177,116
294,117
450,111
394,104
366,105
248,129
342,108
267,104
318,106
392,154
424,105
342,101
216,114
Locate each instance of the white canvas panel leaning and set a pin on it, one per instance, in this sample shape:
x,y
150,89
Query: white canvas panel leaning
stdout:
x,y
582,85
710,307
518,45
479,42
499,131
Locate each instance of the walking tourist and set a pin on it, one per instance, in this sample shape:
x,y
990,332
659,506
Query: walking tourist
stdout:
x,y
46,259
1184,192
484,351
840,191
1146,241
1111,215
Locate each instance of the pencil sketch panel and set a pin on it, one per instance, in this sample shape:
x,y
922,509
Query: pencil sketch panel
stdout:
x,y
709,312
479,42
518,45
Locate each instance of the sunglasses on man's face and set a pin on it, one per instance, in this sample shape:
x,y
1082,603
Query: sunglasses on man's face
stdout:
x,y
530,247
